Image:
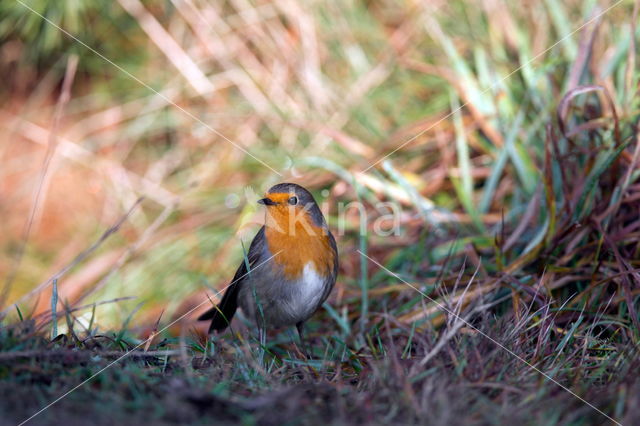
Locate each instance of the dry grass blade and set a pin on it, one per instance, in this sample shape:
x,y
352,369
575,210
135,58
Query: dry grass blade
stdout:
x,y
565,103
65,95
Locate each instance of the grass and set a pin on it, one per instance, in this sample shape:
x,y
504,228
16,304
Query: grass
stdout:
x,y
469,380
519,202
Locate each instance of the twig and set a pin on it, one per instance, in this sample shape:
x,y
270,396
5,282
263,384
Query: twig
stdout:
x,y
79,258
80,355
164,215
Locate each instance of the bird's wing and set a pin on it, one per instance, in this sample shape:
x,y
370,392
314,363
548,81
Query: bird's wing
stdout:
x,y
221,315
331,280
253,258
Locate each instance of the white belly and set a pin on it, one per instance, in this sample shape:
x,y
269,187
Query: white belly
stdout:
x,y
283,302
309,290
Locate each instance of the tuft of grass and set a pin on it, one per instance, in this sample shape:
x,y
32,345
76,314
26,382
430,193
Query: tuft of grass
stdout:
x,y
467,377
54,309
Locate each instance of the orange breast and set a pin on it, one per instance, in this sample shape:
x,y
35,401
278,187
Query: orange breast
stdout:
x,y
298,245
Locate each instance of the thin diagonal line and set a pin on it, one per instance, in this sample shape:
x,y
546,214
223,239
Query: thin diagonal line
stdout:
x,y
444,308
141,343
128,74
493,86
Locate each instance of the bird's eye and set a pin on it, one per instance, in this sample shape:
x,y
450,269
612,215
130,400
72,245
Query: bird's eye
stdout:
x,y
293,201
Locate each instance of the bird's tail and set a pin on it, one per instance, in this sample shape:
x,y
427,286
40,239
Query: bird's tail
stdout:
x,y
222,314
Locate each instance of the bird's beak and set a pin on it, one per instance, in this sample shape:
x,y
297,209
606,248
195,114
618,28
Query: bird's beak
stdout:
x,y
267,202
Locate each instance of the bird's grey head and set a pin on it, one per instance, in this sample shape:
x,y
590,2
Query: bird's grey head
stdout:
x,y
291,194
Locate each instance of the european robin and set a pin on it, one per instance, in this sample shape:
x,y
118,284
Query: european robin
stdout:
x,y
296,264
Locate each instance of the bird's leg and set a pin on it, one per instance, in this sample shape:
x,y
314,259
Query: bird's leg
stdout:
x,y
303,343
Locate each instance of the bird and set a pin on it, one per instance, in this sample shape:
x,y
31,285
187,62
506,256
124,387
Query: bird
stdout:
x,y
289,271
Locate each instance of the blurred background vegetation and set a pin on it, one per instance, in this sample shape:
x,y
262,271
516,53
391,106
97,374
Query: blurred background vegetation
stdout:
x,y
169,98
136,136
